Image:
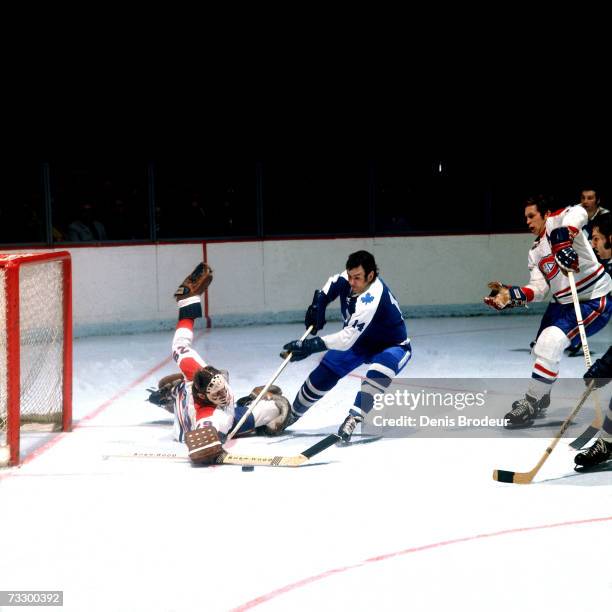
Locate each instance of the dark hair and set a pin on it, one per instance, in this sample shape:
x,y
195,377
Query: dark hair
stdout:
x,y
542,203
595,191
604,223
364,259
201,380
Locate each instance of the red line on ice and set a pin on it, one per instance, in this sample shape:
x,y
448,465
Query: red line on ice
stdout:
x,y
338,570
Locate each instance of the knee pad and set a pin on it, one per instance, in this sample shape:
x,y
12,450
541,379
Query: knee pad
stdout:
x,y
550,345
271,412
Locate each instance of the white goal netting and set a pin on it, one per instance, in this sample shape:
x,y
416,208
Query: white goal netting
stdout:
x,y
41,344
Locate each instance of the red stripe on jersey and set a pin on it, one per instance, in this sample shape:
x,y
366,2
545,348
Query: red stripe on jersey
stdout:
x,y
185,324
560,245
557,212
581,282
203,412
529,294
189,366
537,366
602,306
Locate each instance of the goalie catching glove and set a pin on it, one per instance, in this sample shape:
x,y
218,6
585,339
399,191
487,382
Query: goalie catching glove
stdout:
x,y
196,283
164,395
505,296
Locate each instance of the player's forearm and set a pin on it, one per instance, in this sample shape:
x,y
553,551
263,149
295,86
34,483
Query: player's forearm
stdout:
x,y
537,288
535,293
342,340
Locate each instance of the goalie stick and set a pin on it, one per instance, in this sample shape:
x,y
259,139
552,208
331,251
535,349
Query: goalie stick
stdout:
x,y
236,459
527,477
280,460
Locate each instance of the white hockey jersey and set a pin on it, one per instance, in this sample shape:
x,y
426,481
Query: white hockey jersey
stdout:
x,y
188,414
592,281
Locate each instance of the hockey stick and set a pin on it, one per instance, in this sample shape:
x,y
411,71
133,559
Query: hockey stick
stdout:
x,y
264,390
281,460
597,422
527,477
234,459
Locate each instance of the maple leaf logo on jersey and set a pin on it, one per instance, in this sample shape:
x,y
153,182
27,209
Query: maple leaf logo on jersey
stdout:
x,y
367,298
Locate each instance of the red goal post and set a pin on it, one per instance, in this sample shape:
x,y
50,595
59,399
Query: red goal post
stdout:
x,y
35,347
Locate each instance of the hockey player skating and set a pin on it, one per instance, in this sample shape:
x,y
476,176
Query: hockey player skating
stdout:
x,y
601,450
200,396
374,332
560,246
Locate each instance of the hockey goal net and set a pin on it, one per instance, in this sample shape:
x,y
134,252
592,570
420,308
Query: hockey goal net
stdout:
x,y
35,347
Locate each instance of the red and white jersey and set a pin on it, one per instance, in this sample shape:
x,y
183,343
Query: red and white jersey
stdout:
x,y
592,281
188,413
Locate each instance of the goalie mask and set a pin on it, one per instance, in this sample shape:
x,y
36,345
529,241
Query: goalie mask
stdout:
x,y
210,385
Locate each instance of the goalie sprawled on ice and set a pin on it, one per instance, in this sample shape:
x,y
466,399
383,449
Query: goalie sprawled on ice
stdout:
x,y
200,396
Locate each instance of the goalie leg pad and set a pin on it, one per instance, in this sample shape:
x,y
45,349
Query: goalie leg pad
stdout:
x,y
277,424
272,390
204,444
270,393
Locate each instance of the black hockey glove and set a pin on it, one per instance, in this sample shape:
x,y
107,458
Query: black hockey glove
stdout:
x,y
601,370
561,240
300,349
315,315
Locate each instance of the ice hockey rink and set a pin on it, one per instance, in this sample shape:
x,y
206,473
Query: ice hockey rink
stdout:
x,y
387,524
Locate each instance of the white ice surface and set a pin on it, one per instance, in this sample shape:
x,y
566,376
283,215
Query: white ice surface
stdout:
x,y
389,525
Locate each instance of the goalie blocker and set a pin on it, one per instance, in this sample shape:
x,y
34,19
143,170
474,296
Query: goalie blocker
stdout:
x,y
204,444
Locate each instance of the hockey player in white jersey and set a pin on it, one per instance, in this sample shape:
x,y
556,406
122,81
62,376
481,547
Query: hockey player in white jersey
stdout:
x,y
200,396
374,332
560,246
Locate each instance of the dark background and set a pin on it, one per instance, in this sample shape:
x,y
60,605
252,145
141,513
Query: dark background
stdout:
x,y
322,193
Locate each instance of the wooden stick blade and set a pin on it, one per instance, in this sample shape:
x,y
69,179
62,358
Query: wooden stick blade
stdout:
x,y
513,477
